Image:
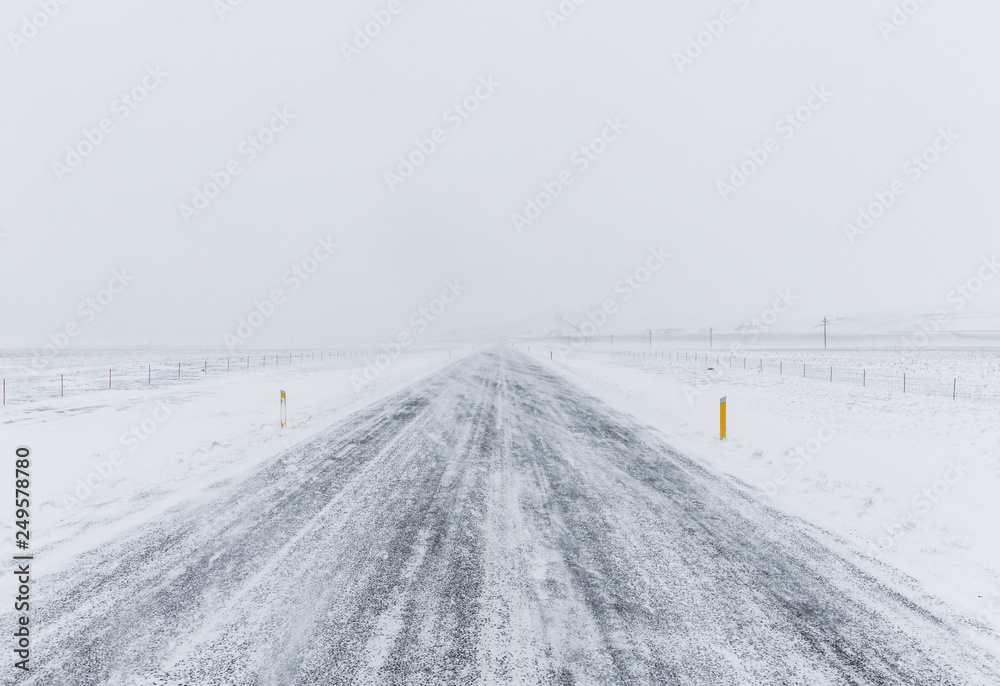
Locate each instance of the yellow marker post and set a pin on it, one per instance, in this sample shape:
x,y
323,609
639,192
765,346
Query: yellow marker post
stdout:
x,y
550,355
722,419
284,411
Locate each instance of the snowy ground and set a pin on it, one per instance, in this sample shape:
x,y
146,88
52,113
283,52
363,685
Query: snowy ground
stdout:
x,y
489,520
867,454
196,432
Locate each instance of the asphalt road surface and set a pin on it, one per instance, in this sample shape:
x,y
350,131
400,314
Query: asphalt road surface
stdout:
x,y
490,524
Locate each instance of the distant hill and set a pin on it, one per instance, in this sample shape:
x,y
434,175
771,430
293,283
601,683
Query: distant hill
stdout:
x,y
789,329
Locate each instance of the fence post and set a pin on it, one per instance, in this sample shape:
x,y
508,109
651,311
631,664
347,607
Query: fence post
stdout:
x,y
62,387
954,389
831,373
109,379
149,374
864,378
904,382
178,371
803,370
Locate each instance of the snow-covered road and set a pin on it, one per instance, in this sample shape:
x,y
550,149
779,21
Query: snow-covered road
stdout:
x,y
490,524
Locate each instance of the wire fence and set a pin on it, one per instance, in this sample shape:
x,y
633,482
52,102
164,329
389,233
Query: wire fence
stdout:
x,y
953,388
32,386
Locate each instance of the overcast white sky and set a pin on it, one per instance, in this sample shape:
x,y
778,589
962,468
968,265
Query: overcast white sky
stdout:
x,y
324,174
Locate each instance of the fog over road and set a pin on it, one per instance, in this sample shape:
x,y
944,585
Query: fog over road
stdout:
x,y
490,524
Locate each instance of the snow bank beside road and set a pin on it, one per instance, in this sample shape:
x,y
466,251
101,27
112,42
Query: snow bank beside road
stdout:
x,y
908,479
104,461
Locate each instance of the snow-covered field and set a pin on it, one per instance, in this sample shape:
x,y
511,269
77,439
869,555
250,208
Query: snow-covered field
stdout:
x,y
108,460
907,481
31,375
910,479
868,461
489,522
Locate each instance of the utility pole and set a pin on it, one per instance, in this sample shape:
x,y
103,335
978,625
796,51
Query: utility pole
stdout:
x,y
825,321
711,343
